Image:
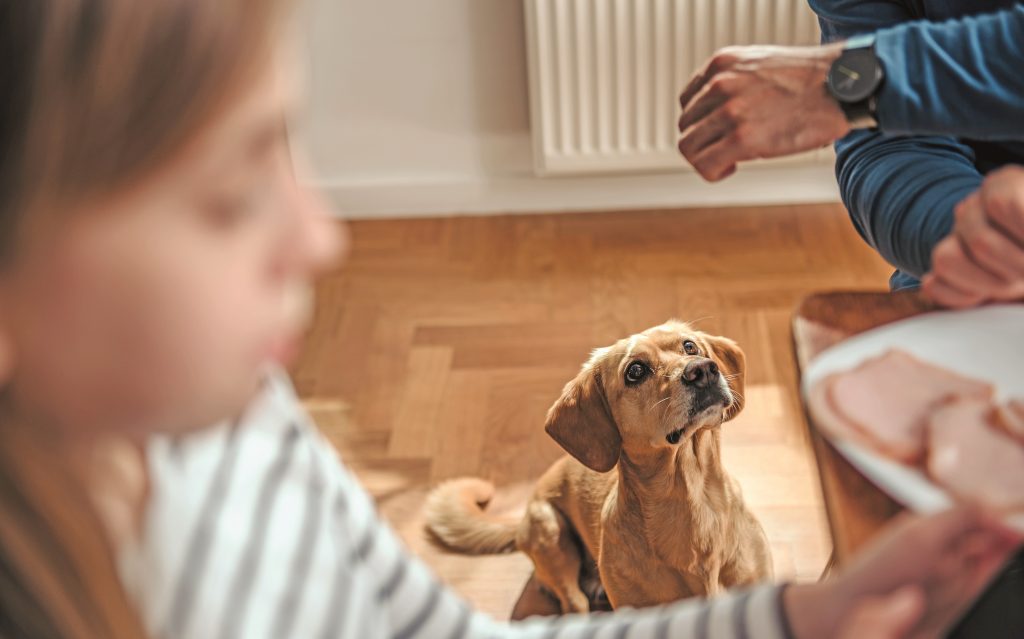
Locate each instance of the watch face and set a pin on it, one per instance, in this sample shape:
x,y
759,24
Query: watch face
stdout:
x,y
855,75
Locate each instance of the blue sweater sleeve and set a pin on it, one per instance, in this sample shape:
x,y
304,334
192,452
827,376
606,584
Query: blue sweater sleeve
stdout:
x,y
961,77
900,191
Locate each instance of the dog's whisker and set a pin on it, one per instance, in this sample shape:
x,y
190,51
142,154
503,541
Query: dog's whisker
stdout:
x,y
660,401
664,411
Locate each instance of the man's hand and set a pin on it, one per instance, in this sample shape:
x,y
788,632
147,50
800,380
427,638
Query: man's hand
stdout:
x,y
982,260
915,580
758,102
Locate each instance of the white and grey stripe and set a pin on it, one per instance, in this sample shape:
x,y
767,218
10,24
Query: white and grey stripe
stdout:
x,y
422,615
703,621
304,549
462,625
338,572
238,599
393,580
338,601
202,538
739,615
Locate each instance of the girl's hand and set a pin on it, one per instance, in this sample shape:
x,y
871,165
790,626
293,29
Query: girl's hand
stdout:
x,y
891,617
943,561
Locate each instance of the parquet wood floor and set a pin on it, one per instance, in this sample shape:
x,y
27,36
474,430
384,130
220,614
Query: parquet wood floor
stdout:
x,y
438,348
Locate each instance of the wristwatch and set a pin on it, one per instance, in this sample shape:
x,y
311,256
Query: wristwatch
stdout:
x,y
854,80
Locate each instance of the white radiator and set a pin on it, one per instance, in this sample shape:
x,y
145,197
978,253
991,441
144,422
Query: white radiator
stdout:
x,y
605,75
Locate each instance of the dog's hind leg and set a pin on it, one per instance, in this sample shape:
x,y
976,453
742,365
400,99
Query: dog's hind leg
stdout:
x,y
547,537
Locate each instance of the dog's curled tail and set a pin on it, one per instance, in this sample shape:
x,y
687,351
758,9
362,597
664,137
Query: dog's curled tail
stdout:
x,y
456,514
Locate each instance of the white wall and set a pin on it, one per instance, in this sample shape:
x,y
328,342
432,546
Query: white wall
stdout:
x,y
420,107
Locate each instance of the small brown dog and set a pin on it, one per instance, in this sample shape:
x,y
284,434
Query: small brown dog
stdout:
x,y
670,523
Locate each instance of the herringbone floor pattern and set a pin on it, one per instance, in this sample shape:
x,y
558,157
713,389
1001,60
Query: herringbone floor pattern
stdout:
x,y
439,347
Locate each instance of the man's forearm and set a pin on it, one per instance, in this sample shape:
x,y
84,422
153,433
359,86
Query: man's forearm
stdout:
x,y
901,192
960,78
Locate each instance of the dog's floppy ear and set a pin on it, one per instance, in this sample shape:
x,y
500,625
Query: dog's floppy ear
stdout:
x,y
733,364
581,422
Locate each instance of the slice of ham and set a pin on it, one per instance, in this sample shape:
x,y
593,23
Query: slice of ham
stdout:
x,y
1010,417
887,400
971,458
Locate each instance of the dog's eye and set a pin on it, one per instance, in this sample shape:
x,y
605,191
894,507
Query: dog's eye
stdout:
x,y
636,372
690,348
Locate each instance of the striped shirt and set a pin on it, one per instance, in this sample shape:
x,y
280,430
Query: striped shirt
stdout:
x,y
256,529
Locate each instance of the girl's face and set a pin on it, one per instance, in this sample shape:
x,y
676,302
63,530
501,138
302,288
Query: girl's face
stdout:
x,y
156,309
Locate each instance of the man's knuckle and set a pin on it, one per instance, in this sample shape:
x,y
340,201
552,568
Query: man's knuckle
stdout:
x,y
960,212
1006,213
729,78
982,244
743,135
1000,201
721,60
733,111
686,148
720,85
705,168
945,255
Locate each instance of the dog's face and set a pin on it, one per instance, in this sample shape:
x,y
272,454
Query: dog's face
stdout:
x,y
654,389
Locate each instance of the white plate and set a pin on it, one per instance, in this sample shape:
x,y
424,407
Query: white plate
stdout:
x,y
986,343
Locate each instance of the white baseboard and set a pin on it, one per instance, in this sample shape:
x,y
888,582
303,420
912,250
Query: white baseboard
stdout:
x,y
754,185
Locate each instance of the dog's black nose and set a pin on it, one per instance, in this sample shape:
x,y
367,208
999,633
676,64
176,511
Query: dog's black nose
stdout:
x,y
700,372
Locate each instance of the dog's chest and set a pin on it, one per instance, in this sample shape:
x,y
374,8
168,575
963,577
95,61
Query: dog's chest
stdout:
x,y
674,556
689,537
687,534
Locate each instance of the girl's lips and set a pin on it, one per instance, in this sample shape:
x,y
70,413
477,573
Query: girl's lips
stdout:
x,y
285,349
296,311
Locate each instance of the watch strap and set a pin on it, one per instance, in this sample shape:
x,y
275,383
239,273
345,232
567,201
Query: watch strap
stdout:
x,y
861,115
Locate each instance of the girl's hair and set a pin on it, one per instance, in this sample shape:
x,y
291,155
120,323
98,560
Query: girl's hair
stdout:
x,y
98,92
57,573
96,95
